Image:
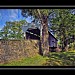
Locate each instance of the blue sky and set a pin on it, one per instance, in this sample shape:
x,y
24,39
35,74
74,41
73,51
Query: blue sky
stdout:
x,y
10,15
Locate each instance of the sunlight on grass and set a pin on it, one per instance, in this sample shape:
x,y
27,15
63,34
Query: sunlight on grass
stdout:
x,y
54,59
34,61
61,59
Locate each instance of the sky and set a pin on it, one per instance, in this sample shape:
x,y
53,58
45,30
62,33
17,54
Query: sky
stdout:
x,y
13,15
10,15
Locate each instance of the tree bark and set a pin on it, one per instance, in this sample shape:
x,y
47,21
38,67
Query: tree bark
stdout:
x,y
66,46
45,37
65,43
44,42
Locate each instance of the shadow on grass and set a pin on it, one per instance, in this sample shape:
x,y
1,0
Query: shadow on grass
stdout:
x,y
61,59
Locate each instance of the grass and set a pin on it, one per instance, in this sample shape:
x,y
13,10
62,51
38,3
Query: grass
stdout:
x,y
54,59
61,59
34,61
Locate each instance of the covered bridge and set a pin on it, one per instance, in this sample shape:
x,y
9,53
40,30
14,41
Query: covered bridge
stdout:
x,y
34,34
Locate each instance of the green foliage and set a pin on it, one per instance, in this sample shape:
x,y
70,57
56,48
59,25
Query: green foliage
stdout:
x,y
63,24
34,12
13,30
72,46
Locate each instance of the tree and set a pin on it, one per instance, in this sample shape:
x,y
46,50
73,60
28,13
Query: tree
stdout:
x,y
5,31
13,30
41,15
64,25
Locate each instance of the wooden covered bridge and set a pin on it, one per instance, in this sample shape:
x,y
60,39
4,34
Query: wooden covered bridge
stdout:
x,y
34,34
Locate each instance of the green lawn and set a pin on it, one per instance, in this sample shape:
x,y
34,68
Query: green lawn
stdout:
x,y
34,61
54,59
61,59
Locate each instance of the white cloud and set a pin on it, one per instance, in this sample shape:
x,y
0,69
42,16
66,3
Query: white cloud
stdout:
x,y
13,13
11,20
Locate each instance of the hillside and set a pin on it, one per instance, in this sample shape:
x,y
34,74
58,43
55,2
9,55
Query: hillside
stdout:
x,y
17,49
54,59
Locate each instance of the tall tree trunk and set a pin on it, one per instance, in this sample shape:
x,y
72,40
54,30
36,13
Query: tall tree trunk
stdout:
x,y
44,43
65,43
45,36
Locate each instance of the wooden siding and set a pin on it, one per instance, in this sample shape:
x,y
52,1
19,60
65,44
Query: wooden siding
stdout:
x,y
34,36
52,41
